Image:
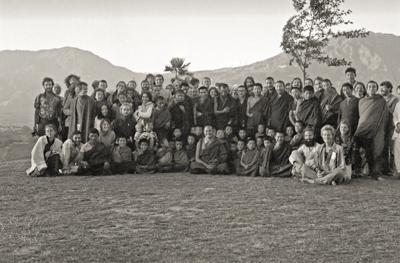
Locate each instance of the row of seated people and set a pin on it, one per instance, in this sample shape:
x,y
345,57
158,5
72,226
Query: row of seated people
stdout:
x,y
212,153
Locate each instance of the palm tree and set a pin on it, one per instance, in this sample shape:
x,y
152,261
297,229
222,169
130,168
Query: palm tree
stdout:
x,y
178,67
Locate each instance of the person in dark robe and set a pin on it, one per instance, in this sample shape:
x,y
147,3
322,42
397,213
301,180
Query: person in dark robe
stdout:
x,y
48,109
348,108
191,147
309,111
180,158
203,109
122,158
280,165
370,133
211,155
83,112
344,137
248,165
269,88
265,157
45,155
330,104
133,94
161,118
145,158
319,90
241,108
279,106
224,106
96,156
256,108
181,113
124,126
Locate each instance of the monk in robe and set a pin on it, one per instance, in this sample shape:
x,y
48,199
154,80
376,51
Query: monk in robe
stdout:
x,y
309,111
211,155
180,158
161,118
348,108
265,157
203,109
181,113
248,165
145,158
256,107
330,104
45,156
96,156
83,112
241,108
280,165
224,107
370,133
279,106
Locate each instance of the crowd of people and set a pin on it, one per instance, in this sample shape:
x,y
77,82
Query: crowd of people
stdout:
x,y
306,130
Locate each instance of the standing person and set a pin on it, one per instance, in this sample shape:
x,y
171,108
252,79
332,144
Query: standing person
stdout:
x,y
396,137
48,109
309,111
348,108
319,90
203,109
181,113
133,94
386,88
269,88
206,82
351,75
279,106
370,133
120,88
144,111
224,106
330,104
256,108
297,100
241,108
211,155
248,84
45,156
359,90
83,112
71,82
161,118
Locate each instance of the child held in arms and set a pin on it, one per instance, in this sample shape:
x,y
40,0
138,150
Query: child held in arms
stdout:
x,y
122,159
249,160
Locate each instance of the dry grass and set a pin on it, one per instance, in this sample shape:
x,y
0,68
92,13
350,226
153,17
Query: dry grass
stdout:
x,y
187,218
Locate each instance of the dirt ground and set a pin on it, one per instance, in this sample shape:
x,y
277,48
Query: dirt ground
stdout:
x,y
188,218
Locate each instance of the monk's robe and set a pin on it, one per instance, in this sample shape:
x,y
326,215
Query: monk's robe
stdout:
x,y
95,156
257,111
387,156
45,157
206,108
213,153
309,112
191,151
280,165
265,161
278,111
181,161
370,133
223,119
181,116
161,121
319,94
83,112
348,111
124,127
330,116
122,160
250,158
145,162
240,113
165,160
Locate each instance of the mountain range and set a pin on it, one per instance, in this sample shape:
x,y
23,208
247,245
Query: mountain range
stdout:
x,y
374,57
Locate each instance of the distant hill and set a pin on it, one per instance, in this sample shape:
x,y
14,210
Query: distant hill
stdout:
x,y
21,72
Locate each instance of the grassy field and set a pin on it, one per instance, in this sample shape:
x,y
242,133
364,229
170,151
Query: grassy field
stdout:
x,y
187,218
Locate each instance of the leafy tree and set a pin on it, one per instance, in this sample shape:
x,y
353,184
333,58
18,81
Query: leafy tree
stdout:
x,y
178,68
307,33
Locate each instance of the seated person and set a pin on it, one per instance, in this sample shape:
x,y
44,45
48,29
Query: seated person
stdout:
x,y
280,165
305,155
297,138
260,131
211,155
180,158
149,135
145,158
191,147
265,157
237,154
71,154
96,156
164,157
45,155
229,135
249,160
122,159
289,133
329,162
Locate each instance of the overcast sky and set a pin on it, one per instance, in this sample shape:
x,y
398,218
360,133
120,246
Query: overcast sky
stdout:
x,y
144,35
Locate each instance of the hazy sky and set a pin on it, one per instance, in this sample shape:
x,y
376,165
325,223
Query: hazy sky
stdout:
x,y
144,35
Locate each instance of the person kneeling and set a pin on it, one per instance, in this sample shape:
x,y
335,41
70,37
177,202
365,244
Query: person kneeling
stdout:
x,y
122,158
45,156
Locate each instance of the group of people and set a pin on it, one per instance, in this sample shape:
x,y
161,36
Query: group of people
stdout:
x,y
307,130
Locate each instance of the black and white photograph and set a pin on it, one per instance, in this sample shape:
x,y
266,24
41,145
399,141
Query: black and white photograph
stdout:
x,y
200,131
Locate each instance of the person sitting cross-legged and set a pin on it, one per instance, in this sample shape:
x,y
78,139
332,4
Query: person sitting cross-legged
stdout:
x,y
71,154
211,155
145,158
